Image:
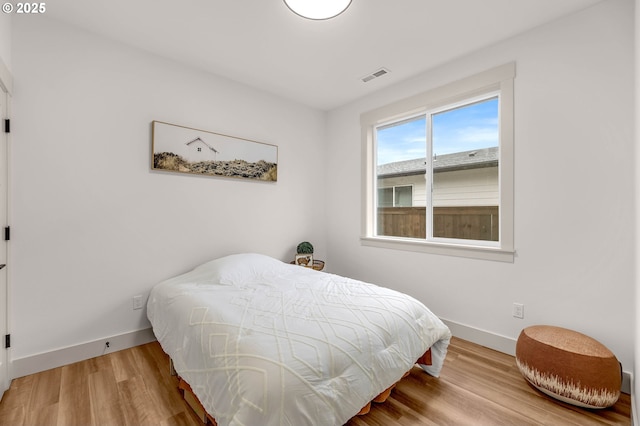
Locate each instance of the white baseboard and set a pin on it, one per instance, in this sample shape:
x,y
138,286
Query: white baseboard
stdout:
x,y
48,360
484,338
504,344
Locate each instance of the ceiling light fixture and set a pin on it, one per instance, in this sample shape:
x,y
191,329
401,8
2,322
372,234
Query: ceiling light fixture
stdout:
x,y
318,9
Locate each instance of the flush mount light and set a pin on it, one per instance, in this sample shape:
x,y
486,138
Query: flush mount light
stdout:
x,y
317,9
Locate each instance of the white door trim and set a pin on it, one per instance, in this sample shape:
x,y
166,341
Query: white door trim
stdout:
x,y
6,87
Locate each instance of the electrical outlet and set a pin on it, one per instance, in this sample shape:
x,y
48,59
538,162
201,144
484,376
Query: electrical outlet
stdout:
x,y
518,310
137,302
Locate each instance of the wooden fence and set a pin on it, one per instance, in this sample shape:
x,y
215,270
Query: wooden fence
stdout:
x,y
471,223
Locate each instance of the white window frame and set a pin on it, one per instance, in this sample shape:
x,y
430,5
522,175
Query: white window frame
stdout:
x,y
497,80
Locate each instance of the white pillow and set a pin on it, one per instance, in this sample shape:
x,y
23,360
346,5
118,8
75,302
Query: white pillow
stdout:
x,y
237,268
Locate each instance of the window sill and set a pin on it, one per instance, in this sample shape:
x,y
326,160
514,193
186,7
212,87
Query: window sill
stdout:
x,y
459,250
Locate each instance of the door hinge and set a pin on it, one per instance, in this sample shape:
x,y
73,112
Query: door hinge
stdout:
x,y
7,233
7,125
7,341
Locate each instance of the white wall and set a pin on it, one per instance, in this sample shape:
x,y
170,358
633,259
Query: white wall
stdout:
x,y
574,199
92,225
6,77
5,39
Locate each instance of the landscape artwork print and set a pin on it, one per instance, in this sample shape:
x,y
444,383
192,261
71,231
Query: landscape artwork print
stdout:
x,y
186,150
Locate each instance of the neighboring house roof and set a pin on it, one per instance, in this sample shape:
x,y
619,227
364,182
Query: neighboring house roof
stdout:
x,y
200,140
477,158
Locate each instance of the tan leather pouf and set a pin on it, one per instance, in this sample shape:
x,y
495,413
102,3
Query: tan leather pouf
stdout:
x,y
569,366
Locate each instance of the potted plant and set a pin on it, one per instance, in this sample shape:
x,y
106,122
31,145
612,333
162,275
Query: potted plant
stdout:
x,y
304,256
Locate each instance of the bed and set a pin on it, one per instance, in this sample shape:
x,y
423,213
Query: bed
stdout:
x,y
262,342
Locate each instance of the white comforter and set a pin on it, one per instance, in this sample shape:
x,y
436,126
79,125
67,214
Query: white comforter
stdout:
x,y
264,343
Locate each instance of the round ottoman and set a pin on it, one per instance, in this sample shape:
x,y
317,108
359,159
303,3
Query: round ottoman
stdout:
x,y
569,366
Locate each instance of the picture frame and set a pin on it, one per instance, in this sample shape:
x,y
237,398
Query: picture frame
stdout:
x,y
304,260
181,149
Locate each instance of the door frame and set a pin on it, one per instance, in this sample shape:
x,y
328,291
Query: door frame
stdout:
x,y
6,88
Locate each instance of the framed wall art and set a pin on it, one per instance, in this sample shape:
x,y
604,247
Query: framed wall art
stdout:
x,y
186,150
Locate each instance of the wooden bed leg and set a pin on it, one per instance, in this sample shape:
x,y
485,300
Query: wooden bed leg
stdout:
x,y
365,410
384,395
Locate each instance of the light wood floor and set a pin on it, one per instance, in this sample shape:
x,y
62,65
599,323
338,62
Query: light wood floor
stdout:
x,y
478,386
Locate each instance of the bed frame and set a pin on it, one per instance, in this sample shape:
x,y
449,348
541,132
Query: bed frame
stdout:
x,y
193,402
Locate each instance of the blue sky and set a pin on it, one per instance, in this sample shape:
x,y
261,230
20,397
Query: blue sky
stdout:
x,y
466,128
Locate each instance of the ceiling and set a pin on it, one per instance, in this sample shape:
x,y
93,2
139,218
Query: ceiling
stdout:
x,y
261,43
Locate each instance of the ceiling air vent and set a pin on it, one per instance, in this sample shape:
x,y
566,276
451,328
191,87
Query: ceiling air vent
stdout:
x,y
379,73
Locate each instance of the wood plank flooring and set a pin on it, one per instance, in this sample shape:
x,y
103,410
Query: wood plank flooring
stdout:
x,y
478,386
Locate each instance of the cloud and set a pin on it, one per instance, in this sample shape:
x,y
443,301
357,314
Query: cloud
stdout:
x,y
465,139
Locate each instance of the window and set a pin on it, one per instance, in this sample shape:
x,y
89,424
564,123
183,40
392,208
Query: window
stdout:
x,y
439,169
395,196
